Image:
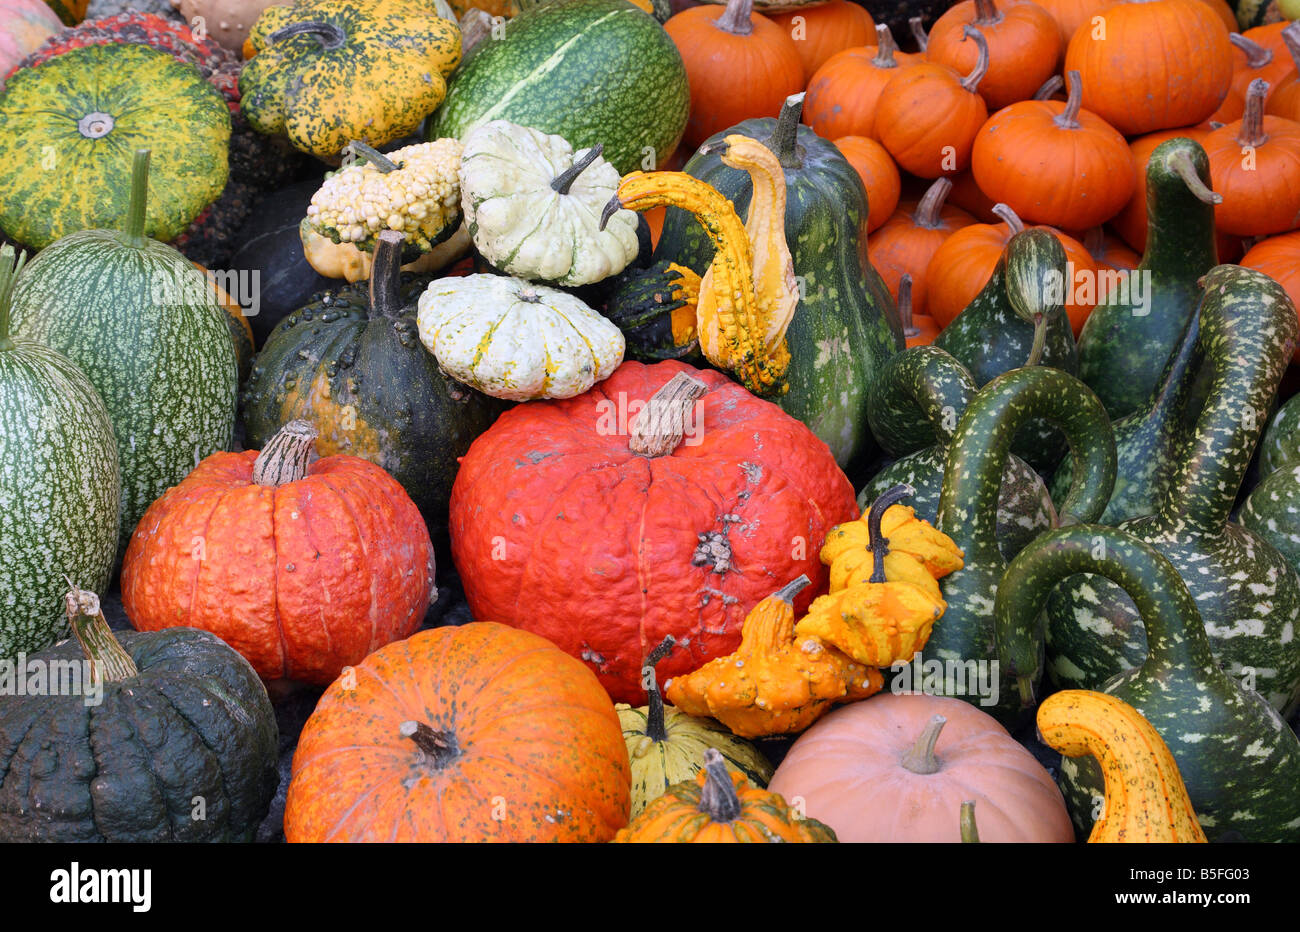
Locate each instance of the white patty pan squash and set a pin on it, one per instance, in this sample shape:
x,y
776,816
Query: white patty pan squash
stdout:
x,y
516,340
533,206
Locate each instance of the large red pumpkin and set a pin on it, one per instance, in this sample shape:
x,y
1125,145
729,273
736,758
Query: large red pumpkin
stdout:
x,y
302,569
557,526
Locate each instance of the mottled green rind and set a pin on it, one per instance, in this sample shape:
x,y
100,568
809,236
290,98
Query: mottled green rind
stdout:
x,y
845,326
1272,510
1281,444
1246,592
165,368
588,70
1125,344
968,505
195,723
57,182
1237,757
59,493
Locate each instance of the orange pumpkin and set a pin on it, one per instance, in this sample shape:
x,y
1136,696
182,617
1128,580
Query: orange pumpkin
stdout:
x,y
739,64
1024,45
908,240
1251,60
879,176
1109,252
843,92
967,194
1223,10
1054,162
1279,258
927,115
1069,15
897,767
1284,100
474,733
823,30
1255,165
1138,86
303,569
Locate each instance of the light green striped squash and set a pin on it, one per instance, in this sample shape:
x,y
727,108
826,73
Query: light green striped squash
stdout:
x,y
144,325
588,70
59,485
68,128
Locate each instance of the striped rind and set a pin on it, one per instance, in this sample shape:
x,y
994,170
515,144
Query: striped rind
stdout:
x,y
59,493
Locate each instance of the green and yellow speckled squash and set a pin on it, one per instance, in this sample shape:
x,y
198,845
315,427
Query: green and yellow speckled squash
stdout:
x,y
330,71
68,126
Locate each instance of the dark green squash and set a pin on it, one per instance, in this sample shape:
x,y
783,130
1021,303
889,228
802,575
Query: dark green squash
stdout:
x,y
1126,342
846,325
183,745
1281,444
1272,511
351,363
1246,592
1237,757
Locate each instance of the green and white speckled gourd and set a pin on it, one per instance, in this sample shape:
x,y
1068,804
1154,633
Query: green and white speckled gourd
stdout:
x,y
915,405
1239,760
1125,343
1148,442
144,325
59,484
1281,444
995,332
1247,593
846,324
968,506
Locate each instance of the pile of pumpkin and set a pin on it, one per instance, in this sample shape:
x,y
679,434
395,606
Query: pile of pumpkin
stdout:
x,y
686,513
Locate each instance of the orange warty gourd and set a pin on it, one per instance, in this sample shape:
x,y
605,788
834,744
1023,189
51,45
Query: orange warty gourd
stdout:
x,y
908,240
1138,86
1131,222
1024,45
1255,165
927,115
1054,162
415,743
897,768
1279,258
303,569
824,30
879,176
842,93
739,64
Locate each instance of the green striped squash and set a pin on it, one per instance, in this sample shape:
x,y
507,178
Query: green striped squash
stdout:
x,y
68,126
59,485
588,70
144,325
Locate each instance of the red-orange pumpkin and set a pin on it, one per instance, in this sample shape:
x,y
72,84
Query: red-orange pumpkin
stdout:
x,y
1255,165
302,569
1024,45
879,176
474,733
823,30
842,93
557,526
909,239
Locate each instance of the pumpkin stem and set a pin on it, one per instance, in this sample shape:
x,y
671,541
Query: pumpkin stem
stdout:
x,y
736,18
564,180
654,720
1010,217
915,23
437,748
1257,56
879,542
791,589
972,81
920,756
660,426
929,210
1069,117
1094,240
135,211
284,458
1252,123
328,35
475,26
784,141
1291,37
718,799
1181,162
109,660
373,156
905,306
885,48
385,276
1050,88
986,13
9,269
969,830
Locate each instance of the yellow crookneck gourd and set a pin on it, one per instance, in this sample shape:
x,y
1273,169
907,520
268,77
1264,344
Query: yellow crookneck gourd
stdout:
x,y
1145,800
775,683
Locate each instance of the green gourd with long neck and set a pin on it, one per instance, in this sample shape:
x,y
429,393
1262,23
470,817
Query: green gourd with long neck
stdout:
x,y
1247,593
968,505
1131,334
1237,757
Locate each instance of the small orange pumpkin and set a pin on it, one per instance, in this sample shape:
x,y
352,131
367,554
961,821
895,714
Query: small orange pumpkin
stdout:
x,y
825,29
843,92
1024,45
904,245
879,176
1255,165
1279,258
1284,100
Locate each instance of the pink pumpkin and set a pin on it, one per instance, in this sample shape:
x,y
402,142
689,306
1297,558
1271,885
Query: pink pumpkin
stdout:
x,y
24,25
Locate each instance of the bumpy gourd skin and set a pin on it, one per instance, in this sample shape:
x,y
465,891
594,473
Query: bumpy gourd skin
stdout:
x,y
195,722
387,74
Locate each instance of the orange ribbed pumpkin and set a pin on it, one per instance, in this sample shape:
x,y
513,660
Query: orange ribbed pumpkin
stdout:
x,y
474,733
842,93
879,175
1024,46
1279,258
1255,165
909,239
823,30
302,569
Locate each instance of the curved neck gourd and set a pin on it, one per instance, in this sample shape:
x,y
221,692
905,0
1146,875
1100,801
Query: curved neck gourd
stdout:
x,y
1180,210
918,398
